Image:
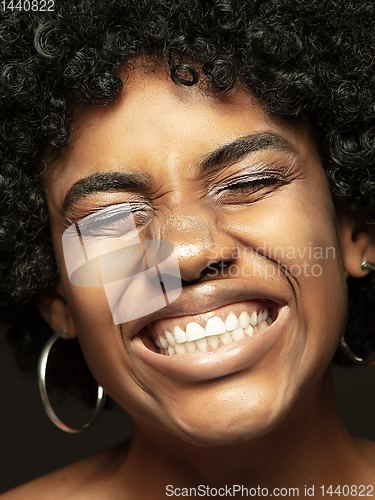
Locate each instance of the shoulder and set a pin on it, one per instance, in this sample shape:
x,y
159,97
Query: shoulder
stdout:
x,y
70,482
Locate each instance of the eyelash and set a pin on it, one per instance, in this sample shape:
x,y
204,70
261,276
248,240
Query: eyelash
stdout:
x,y
256,183
245,185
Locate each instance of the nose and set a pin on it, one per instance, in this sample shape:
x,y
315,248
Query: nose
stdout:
x,y
200,244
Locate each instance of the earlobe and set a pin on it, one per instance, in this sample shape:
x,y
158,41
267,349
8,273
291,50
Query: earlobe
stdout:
x,y
357,244
55,311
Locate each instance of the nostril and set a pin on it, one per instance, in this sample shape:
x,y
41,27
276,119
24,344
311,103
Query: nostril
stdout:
x,y
221,265
211,271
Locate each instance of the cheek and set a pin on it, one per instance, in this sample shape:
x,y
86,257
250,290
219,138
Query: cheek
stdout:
x,y
294,238
88,304
95,328
101,343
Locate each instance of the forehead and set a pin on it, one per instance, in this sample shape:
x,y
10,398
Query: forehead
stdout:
x,y
156,125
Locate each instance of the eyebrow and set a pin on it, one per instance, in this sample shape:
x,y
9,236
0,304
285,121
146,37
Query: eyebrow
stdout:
x,y
242,147
106,181
138,181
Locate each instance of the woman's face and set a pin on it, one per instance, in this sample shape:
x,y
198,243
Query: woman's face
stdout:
x,y
244,200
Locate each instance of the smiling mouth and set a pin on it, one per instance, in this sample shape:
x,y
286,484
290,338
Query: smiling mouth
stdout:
x,y
211,330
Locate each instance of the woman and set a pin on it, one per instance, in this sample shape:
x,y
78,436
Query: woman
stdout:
x,y
206,170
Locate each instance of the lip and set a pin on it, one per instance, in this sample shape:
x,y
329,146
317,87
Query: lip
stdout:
x,y
228,359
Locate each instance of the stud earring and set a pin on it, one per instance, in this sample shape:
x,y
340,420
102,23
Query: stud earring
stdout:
x,y
367,265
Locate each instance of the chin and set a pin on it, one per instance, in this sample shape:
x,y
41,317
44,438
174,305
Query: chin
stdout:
x,y
229,424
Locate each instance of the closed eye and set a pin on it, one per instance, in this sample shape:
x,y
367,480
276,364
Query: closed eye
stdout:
x,y
254,184
114,221
243,191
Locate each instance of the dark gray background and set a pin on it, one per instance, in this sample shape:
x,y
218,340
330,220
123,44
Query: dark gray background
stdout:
x,y
32,446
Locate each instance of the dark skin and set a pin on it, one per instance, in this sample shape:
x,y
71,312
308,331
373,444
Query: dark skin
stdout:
x,y
257,412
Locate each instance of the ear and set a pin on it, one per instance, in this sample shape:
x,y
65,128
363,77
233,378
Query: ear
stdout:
x,y
54,310
357,243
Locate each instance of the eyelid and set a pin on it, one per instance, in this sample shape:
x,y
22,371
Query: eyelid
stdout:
x,y
270,172
106,212
246,177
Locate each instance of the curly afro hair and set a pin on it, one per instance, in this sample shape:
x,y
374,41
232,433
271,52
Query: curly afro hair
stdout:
x,y
314,57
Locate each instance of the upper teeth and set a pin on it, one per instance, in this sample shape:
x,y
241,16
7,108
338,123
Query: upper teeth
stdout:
x,y
195,336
